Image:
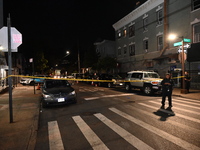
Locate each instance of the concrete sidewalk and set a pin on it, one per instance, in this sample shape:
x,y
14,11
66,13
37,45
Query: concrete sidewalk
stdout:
x,y
193,94
22,133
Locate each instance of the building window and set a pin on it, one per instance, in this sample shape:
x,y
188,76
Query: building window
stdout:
x,y
195,4
132,31
125,50
145,45
145,22
159,17
160,42
119,51
132,49
119,34
124,32
196,31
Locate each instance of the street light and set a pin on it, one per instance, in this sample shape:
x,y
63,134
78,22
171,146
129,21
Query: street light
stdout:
x,y
67,53
173,37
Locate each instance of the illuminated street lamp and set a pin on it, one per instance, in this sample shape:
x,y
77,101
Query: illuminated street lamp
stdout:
x,y
173,37
67,53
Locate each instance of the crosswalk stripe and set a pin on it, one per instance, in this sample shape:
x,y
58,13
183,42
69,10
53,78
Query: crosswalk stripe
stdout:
x,y
186,99
184,104
55,141
107,96
168,121
187,102
178,115
163,134
140,145
190,111
89,134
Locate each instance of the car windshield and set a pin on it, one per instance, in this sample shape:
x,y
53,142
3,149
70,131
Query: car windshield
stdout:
x,y
151,75
57,83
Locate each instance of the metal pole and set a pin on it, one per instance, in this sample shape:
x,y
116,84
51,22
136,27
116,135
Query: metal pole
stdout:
x,y
33,74
183,68
10,69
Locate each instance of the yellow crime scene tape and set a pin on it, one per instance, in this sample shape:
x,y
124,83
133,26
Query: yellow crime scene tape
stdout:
x,y
85,80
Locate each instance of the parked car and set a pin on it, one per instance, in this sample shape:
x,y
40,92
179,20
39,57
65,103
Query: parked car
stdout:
x,y
57,92
148,81
110,80
32,81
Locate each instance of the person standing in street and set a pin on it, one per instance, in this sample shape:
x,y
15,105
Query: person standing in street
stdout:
x,y
167,87
187,79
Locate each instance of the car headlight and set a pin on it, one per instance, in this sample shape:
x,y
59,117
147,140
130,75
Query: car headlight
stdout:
x,y
72,93
47,97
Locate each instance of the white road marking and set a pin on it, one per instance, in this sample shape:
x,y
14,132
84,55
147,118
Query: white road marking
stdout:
x,y
55,140
106,96
140,145
92,138
163,134
176,114
186,110
168,121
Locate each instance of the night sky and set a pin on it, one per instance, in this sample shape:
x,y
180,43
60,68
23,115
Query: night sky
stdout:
x,y
54,26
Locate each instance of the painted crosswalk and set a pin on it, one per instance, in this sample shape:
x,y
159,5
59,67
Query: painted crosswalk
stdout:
x,y
187,111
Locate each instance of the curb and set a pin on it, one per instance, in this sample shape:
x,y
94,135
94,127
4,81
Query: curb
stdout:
x,y
34,129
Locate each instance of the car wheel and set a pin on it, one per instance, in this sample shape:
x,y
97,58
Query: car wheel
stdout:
x,y
147,90
32,83
128,87
109,85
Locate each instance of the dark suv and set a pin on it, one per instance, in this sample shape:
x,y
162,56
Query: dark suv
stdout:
x,y
110,80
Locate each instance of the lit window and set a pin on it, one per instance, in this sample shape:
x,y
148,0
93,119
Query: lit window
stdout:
x,y
160,42
119,35
195,4
196,31
125,32
131,31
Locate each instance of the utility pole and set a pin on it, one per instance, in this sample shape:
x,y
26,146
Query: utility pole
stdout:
x,y
79,66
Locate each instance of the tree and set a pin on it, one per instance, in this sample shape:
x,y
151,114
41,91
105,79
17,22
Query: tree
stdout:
x,y
106,64
40,62
90,57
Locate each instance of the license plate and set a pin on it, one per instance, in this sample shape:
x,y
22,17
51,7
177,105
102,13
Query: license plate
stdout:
x,y
61,99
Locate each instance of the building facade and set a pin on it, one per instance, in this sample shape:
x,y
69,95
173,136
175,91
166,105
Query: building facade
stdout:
x,y
142,36
106,48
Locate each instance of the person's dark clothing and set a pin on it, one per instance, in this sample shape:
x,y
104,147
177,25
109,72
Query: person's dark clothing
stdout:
x,y
167,90
187,82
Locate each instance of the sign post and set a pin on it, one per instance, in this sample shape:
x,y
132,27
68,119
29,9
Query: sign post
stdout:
x,y
10,70
10,40
182,54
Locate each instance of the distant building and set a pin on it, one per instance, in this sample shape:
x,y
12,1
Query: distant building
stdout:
x,y
142,36
106,48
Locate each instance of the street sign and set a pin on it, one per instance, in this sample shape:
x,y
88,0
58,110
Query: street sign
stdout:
x,y
187,40
16,39
178,44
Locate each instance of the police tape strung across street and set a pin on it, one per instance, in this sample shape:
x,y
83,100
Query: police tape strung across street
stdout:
x,y
84,80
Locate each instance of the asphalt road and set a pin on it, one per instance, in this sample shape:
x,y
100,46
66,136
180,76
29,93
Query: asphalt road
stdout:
x,y
111,118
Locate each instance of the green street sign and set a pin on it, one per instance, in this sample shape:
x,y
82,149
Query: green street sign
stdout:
x,y
187,40
178,44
